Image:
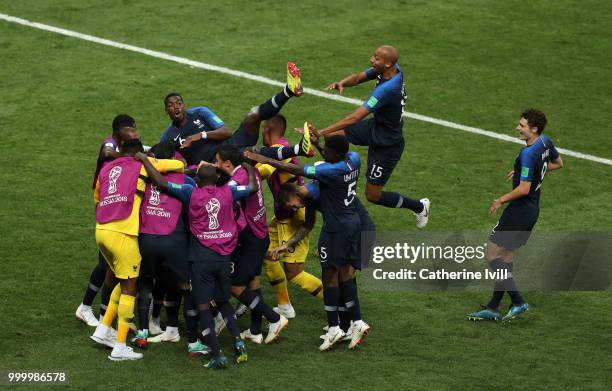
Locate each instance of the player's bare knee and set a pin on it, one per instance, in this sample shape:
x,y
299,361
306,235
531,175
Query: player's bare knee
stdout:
x,y
373,194
293,269
330,278
237,290
347,273
255,283
129,286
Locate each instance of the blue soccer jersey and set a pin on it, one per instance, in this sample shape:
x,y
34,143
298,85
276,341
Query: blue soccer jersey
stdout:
x,y
531,165
387,103
198,119
337,190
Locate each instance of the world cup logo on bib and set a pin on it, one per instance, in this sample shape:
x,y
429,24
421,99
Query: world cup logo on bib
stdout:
x,y
113,176
154,200
212,207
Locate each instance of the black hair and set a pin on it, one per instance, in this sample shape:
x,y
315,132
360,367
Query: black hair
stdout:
x,y
123,121
172,95
286,191
231,153
206,173
163,150
535,118
282,119
338,144
131,146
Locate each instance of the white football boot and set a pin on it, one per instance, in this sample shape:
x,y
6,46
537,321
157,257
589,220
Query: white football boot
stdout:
x,y
333,335
275,329
255,338
104,336
423,217
171,334
360,330
122,352
285,310
85,314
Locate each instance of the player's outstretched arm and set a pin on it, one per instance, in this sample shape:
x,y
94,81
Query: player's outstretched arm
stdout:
x,y
349,120
253,184
555,164
220,134
520,191
295,169
349,81
156,178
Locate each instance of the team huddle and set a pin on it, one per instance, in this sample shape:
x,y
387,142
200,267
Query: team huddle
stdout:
x,y
185,221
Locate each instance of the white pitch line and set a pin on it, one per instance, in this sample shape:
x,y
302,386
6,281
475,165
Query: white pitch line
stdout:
x,y
265,80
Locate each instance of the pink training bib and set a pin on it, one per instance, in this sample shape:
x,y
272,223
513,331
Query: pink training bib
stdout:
x,y
211,218
159,212
118,180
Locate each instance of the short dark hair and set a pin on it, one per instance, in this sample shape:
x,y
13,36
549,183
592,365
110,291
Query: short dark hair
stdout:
x,y
163,150
338,144
172,95
281,118
122,121
206,173
231,153
287,190
131,146
535,118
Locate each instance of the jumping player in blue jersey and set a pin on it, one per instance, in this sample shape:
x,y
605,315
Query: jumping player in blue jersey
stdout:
x,y
340,238
520,216
383,133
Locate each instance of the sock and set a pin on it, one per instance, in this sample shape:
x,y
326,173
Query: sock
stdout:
x,y
227,311
309,283
126,315
278,282
113,303
511,288
272,106
207,324
256,317
348,293
96,280
391,199
191,318
508,284
105,298
498,294
280,153
257,304
158,300
172,305
144,302
331,298
344,318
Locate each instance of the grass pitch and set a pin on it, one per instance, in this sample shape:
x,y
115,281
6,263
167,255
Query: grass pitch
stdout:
x,y
476,63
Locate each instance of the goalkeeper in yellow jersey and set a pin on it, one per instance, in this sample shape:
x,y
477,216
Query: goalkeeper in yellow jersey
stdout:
x,y
289,230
